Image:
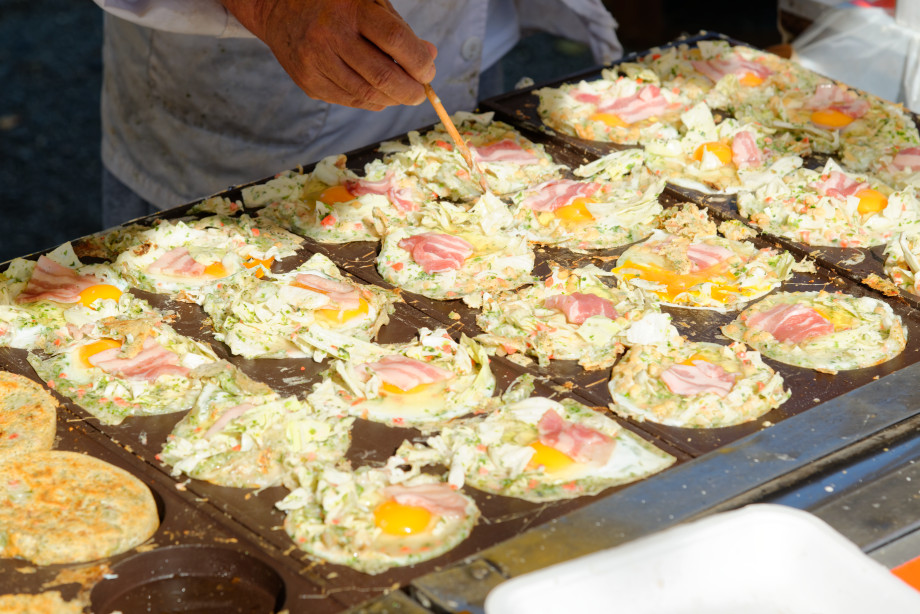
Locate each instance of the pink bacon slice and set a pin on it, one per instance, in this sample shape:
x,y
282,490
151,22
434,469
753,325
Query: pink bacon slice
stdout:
x,y
55,282
150,363
577,441
342,295
791,322
717,68
504,151
838,185
907,159
579,306
404,199
551,195
438,498
227,417
437,252
647,102
177,261
405,373
697,378
745,152
704,255
839,98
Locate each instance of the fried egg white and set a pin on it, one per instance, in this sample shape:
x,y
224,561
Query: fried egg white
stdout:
x,y
351,518
505,452
522,321
460,379
332,204
792,206
188,260
283,315
859,331
708,385
738,274
111,396
495,260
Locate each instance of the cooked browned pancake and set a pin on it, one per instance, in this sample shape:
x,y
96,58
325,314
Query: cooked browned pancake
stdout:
x,y
66,507
49,602
28,415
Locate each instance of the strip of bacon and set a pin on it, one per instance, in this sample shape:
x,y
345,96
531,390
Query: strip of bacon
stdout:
x,y
437,252
647,102
907,159
551,195
745,152
830,96
588,97
404,373
697,378
55,282
227,417
577,441
704,255
404,199
838,185
504,151
177,261
342,295
717,68
150,363
791,322
438,498
579,306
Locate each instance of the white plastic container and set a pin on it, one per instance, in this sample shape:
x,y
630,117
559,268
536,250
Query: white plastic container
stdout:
x,y
761,559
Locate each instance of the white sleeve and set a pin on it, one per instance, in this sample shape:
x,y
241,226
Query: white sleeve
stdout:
x,y
203,17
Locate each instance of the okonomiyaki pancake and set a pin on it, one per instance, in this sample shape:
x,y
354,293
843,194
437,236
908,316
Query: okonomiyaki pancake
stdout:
x,y
902,262
822,331
695,385
613,202
371,520
28,416
332,204
538,449
67,507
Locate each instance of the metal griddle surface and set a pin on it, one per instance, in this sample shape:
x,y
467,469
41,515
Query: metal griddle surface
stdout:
x,y
240,520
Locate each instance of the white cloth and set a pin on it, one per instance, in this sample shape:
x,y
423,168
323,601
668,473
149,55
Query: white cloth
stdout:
x,y
192,106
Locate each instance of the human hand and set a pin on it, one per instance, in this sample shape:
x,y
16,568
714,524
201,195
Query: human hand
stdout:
x,y
356,53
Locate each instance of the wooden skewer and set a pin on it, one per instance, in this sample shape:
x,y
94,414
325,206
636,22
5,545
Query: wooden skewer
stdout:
x,y
455,135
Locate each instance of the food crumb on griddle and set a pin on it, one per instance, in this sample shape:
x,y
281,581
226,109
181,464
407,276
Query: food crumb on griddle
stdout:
x,y
884,286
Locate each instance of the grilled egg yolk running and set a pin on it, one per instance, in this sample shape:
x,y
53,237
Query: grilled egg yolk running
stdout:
x,y
335,317
551,459
871,201
720,150
831,119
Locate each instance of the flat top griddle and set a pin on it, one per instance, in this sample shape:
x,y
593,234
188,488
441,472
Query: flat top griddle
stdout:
x,y
238,530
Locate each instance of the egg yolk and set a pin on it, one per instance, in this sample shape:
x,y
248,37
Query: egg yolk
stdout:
x,y
549,458
676,284
719,149
750,79
91,349
334,317
335,194
576,211
388,388
97,291
610,119
871,201
840,318
216,269
397,519
254,262
831,118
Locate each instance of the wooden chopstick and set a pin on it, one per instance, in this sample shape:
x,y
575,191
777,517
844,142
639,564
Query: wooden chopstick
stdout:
x,y
455,135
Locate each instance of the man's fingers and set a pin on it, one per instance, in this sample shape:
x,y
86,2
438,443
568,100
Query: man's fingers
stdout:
x,y
383,74
395,38
351,89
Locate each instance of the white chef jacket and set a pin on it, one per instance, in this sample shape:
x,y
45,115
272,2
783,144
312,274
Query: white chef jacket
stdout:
x,y
193,104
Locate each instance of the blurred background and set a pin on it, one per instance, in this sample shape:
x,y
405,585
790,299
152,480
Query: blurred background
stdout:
x,y
50,71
